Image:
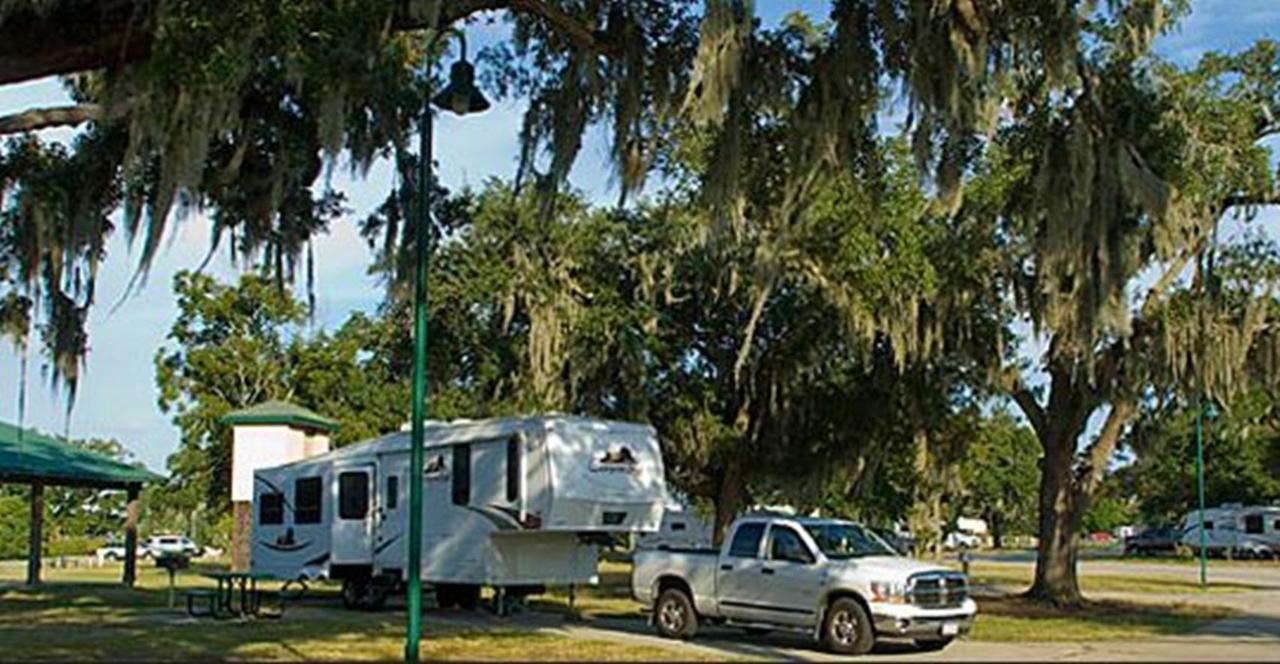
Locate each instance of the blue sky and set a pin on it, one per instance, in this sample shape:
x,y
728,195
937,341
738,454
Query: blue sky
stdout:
x,y
117,396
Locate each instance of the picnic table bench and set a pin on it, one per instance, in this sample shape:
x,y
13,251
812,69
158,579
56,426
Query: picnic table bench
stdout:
x,y
237,596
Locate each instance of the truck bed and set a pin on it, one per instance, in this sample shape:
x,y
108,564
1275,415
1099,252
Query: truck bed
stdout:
x,y
695,567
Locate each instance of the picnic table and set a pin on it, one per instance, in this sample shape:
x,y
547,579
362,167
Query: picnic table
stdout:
x,y
237,595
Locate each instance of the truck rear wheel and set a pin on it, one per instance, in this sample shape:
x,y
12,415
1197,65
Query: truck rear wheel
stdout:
x,y
847,628
674,616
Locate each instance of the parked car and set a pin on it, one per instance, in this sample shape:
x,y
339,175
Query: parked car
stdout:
x,y
1163,539
171,545
834,580
961,540
115,552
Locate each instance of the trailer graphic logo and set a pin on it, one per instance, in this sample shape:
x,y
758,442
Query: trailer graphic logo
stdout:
x,y
617,460
436,469
285,542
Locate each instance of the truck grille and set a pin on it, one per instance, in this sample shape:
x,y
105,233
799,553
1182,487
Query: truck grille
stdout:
x,y
938,590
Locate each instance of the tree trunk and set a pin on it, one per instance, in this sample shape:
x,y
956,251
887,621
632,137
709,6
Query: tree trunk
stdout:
x,y
1055,579
997,529
729,498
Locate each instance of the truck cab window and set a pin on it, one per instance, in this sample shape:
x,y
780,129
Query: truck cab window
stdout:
x,y
393,491
353,495
270,509
307,496
461,474
746,541
785,544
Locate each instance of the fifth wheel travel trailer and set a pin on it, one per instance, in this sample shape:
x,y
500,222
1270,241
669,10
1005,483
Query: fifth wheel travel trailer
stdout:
x,y
513,503
1236,530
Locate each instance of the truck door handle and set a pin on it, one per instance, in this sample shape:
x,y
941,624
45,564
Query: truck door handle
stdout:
x,y
726,568
766,570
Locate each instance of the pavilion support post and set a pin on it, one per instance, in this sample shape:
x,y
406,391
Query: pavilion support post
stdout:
x,y
131,537
35,542
241,532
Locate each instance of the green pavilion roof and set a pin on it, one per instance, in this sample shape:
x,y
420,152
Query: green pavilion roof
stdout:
x,y
280,412
27,455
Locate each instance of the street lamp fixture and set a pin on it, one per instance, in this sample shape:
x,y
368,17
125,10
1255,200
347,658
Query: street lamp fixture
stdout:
x,y
460,97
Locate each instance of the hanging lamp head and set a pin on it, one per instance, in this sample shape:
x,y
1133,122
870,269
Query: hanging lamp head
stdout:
x,y
461,96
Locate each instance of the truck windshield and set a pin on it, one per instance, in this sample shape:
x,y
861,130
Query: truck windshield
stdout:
x,y
847,540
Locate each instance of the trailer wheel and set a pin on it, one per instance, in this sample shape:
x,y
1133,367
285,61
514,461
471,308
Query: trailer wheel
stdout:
x,y
361,593
674,616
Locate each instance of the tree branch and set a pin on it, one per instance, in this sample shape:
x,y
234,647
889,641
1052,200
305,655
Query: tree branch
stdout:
x,y
1031,408
43,118
574,30
83,36
1099,453
1250,200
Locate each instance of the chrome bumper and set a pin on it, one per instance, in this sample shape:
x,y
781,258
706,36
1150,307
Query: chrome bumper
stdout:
x,y
921,627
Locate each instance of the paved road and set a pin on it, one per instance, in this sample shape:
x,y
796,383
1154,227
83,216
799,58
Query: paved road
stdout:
x,y
1253,635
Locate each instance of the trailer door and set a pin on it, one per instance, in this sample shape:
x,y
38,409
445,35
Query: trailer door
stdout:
x,y
355,487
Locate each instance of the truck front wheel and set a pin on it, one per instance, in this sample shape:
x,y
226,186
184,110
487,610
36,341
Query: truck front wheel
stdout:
x,y
674,616
847,628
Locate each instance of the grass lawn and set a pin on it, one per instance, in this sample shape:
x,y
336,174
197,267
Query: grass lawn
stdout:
x,y
1015,619
1007,577
86,614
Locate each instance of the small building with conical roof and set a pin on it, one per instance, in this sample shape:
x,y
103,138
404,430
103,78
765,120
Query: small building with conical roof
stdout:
x,y
268,434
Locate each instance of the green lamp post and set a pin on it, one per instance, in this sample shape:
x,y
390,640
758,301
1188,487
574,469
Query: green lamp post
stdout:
x,y
460,97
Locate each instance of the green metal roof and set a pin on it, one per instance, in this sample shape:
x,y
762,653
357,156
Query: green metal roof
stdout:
x,y
26,455
280,412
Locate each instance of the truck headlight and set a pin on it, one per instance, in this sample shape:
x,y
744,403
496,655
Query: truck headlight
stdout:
x,y
891,593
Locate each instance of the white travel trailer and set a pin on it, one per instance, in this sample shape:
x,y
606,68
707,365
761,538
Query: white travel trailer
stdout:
x,y
1235,529
513,503
682,528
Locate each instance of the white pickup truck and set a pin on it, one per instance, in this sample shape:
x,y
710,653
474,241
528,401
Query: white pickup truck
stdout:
x,y
833,579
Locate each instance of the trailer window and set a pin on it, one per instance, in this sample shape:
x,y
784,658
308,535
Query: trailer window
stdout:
x,y
353,495
1253,524
307,497
393,491
270,509
513,469
461,474
746,541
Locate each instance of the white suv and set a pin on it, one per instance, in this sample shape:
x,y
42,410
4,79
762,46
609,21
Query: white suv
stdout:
x,y
161,545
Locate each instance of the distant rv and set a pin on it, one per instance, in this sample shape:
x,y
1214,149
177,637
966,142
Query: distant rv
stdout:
x,y
1236,530
513,503
682,528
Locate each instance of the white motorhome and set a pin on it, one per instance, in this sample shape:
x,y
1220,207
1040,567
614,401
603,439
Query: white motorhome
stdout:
x,y
1234,529
513,503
